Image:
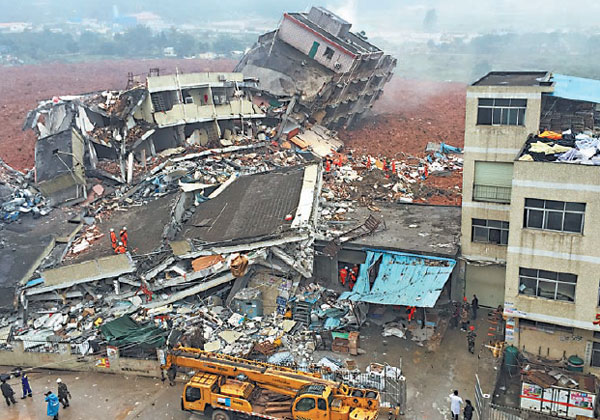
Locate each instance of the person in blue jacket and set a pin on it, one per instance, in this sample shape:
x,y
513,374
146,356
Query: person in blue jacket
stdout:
x,y
26,387
53,405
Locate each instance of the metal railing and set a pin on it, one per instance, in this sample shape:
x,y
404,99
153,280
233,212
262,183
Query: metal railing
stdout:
x,y
491,193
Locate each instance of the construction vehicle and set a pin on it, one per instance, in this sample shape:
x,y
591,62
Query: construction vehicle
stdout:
x,y
229,388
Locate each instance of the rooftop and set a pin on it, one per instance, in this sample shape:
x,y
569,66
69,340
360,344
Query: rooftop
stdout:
x,y
348,44
253,206
561,148
514,78
415,228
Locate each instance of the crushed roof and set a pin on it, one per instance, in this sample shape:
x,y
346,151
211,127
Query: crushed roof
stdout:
x,y
402,279
252,206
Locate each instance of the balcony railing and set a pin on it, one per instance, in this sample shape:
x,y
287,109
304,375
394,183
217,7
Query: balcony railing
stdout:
x,y
491,193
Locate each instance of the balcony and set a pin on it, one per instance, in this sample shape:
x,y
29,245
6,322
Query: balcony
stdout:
x,y
491,193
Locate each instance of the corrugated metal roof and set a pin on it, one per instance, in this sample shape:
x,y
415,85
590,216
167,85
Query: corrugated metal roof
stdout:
x,y
403,279
576,88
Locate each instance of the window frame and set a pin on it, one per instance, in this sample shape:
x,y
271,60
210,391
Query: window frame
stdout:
x,y
595,344
537,277
547,211
501,110
302,400
504,227
187,394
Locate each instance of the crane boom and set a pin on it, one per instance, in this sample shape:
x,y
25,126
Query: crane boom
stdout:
x,y
260,372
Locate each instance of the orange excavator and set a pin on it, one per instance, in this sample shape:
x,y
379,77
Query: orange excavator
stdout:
x,y
229,388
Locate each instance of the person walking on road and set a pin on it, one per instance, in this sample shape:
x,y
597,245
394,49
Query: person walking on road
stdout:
x,y
471,339
464,319
468,410
8,393
26,387
52,406
455,403
63,393
474,306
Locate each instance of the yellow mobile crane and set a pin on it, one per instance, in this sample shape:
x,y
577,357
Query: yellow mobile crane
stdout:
x,y
228,388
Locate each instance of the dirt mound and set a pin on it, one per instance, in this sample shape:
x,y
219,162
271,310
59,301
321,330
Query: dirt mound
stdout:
x,y
22,87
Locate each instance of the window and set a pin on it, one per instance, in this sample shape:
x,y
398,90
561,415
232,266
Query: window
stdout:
x,y
559,216
544,327
192,394
595,355
328,53
305,404
321,404
547,284
490,231
493,181
496,111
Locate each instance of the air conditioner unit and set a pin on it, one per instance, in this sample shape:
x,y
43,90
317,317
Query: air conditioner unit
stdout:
x,y
222,78
189,100
337,66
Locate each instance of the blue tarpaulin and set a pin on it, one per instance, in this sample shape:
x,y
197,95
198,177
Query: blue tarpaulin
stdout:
x,y
402,279
576,88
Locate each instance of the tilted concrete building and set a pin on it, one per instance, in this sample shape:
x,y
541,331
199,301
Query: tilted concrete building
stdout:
x,y
314,62
529,206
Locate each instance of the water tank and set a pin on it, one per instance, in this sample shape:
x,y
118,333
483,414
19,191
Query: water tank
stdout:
x,y
511,354
575,364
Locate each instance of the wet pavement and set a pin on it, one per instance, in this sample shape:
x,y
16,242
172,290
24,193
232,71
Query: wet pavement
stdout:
x,y
94,395
431,377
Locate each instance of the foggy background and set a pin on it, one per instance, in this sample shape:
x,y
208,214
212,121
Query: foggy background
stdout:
x,y
455,40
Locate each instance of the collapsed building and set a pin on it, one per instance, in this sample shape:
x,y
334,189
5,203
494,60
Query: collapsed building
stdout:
x,y
324,72
80,133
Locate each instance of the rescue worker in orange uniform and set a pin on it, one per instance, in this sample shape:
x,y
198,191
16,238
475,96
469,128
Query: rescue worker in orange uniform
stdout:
x,y
343,275
120,249
113,239
411,312
123,236
353,277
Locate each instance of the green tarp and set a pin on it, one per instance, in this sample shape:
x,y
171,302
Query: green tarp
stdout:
x,y
125,331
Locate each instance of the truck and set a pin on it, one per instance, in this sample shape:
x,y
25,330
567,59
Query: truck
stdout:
x,y
226,387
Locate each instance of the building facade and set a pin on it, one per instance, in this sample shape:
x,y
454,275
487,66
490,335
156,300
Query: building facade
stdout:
x,y
528,236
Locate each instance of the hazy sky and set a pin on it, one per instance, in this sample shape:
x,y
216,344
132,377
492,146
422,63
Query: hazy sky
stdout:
x,y
377,17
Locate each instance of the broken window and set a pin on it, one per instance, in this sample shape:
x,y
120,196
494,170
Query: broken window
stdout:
x,y
328,53
162,101
499,111
490,231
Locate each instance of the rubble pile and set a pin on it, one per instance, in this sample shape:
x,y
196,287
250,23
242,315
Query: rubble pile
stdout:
x,y
18,197
365,179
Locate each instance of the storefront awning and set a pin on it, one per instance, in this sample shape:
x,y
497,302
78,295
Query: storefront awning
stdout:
x,y
400,279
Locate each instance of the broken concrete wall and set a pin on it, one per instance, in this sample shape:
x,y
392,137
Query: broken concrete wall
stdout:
x,y
165,138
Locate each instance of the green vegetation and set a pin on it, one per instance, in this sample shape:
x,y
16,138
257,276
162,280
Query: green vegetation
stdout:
x,y
574,53
136,42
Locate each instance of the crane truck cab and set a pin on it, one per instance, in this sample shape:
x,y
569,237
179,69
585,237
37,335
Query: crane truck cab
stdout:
x,y
224,398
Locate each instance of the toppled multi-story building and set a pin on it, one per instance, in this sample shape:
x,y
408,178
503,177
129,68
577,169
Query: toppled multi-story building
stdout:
x,y
325,73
